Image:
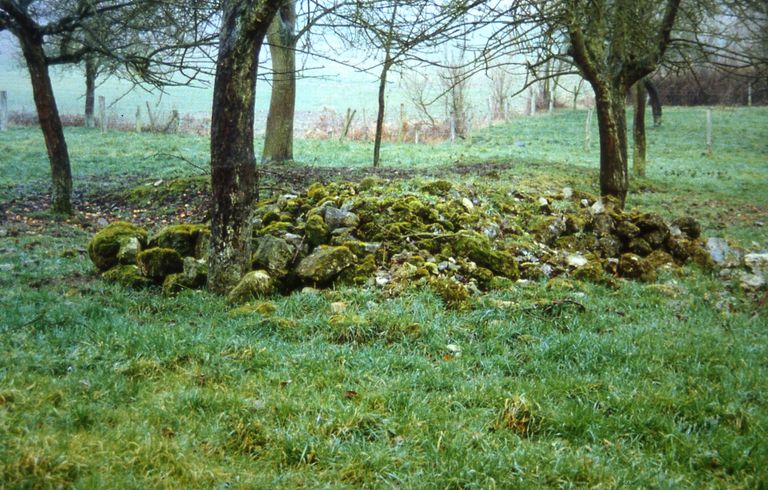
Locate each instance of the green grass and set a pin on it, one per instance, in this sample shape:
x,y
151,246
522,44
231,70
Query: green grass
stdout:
x,y
650,385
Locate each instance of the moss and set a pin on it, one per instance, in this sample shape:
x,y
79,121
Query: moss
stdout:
x,y
183,238
658,259
175,283
357,247
277,228
594,272
105,245
360,273
454,294
635,267
640,247
369,183
477,248
316,192
316,230
437,187
157,263
255,284
324,264
270,217
126,275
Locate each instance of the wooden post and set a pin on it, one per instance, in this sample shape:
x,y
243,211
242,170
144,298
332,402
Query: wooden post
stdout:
x,y
138,119
401,136
3,110
533,102
709,132
749,94
416,136
552,98
588,131
103,114
453,128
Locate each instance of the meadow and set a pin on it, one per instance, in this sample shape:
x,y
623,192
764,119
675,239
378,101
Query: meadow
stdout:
x,y
559,383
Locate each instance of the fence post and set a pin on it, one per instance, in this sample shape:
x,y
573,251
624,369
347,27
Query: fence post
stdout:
x,y
416,136
103,114
453,127
749,94
3,110
138,119
533,101
588,131
709,132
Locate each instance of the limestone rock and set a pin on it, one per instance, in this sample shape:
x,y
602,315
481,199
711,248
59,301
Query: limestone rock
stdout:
x,y
129,251
634,267
183,238
338,218
324,264
757,263
316,230
105,245
255,284
127,275
156,263
689,226
274,255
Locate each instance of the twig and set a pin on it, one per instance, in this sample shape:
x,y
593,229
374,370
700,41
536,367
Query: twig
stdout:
x,y
179,157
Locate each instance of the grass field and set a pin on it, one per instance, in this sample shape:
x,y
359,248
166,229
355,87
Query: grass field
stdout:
x,y
659,385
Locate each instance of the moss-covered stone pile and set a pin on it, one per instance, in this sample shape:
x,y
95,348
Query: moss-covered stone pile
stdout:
x,y
174,258
454,239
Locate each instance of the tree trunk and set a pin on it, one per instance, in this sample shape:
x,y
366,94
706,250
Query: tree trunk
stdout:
x,y
610,103
638,131
380,114
233,170
90,92
50,123
653,95
278,140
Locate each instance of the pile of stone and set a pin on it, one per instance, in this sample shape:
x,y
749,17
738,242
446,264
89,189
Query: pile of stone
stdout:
x,y
456,240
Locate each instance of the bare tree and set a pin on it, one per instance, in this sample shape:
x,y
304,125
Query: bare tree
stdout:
x,y
244,25
278,140
65,32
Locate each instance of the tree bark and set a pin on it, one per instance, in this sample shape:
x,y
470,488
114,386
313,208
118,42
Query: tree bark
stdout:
x,y
233,170
50,122
380,114
90,92
611,109
638,131
278,140
653,96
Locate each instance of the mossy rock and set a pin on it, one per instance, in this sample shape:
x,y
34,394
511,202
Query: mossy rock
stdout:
x,y
633,266
454,294
361,272
183,238
276,228
626,230
594,272
316,192
104,247
127,275
477,248
369,183
689,226
324,264
437,187
659,259
550,229
639,246
255,284
274,255
602,225
316,230
156,263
